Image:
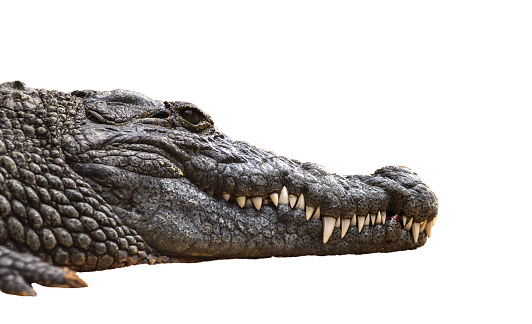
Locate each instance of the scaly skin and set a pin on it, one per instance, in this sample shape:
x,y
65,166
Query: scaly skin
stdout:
x,y
96,180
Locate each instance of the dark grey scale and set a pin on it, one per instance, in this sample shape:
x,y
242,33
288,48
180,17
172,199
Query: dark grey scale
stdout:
x,y
365,237
314,228
392,230
379,234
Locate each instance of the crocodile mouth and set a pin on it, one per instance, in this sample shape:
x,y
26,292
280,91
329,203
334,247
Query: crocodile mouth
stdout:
x,y
384,226
355,224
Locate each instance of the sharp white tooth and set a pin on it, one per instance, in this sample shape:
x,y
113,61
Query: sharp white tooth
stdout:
x,y
241,201
366,220
301,203
317,213
309,212
210,192
409,224
422,226
328,227
404,220
345,226
373,218
428,228
275,198
283,198
415,231
354,220
249,203
293,200
337,223
383,217
378,217
226,196
257,202
360,223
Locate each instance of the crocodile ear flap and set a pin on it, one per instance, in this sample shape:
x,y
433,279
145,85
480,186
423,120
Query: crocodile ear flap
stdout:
x,y
85,94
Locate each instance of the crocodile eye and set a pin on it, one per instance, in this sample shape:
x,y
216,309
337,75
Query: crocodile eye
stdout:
x,y
191,115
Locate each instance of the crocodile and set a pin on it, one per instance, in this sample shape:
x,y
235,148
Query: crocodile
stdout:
x,y
93,180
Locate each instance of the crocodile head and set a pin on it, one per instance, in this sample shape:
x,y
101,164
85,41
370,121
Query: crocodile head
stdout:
x,y
191,191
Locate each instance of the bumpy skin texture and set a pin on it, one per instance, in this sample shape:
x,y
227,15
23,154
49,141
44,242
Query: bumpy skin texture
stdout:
x,y
96,180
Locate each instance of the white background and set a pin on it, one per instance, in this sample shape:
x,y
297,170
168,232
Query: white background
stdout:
x,y
442,87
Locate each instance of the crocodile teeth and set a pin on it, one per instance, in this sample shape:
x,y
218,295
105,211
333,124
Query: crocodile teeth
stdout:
x,y
226,196
428,227
354,220
383,217
345,226
366,220
328,227
422,226
360,223
409,224
373,218
241,201
404,220
301,203
317,213
283,198
309,212
257,202
415,231
337,223
275,198
293,200
210,192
